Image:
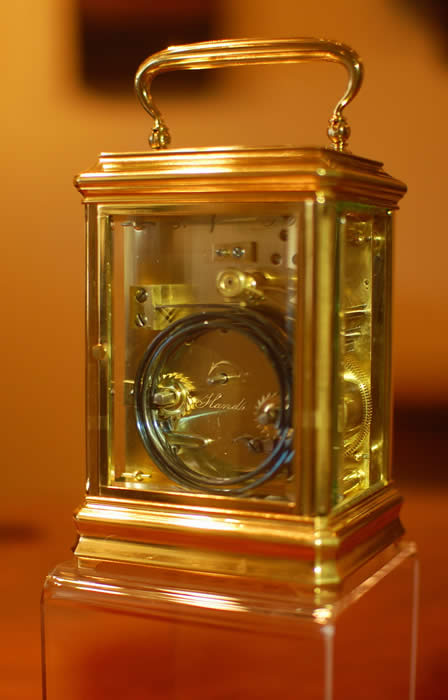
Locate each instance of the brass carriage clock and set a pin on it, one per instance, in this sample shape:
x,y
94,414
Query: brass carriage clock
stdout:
x,y
238,379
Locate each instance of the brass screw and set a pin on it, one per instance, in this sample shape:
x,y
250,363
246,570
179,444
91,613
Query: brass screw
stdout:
x,y
141,320
222,252
141,295
238,252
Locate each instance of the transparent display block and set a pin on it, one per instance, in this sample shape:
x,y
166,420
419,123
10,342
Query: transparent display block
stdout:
x,y
178,637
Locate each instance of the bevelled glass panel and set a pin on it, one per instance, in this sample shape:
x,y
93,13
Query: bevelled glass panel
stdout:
x,y
231,343
364,342
201,374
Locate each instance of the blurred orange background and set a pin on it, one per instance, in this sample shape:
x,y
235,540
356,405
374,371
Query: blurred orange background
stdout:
x,y
53,128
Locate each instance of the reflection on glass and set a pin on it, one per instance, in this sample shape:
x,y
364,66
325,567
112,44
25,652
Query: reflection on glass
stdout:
x,y
208,308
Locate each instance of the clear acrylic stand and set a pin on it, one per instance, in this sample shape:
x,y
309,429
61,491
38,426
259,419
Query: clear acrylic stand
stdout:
x,y
110,633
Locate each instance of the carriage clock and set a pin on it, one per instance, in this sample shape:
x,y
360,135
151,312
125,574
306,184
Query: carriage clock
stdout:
x,y
238,351
238,364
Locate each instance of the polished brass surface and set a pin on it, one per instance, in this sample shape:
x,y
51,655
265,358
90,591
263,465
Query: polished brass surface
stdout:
x,y
99,352
237,52
357,407
157,305
233,283
191,177
175,396
309,551
266,414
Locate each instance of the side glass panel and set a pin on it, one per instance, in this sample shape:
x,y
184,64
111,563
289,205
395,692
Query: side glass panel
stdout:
x,y
365,361
203,318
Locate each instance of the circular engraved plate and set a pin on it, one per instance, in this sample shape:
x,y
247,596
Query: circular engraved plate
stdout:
x,y
213,400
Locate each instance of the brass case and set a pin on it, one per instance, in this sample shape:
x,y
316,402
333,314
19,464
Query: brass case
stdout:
x,y
318,527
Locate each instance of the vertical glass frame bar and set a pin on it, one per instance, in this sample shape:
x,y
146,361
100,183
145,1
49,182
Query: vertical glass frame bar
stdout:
x,y
93,255
99,347
319,459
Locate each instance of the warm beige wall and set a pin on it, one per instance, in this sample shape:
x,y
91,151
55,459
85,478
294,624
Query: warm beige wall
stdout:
x,y
52,129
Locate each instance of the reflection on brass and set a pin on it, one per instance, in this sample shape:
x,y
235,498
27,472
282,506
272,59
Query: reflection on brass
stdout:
x,y
359,232
266,414
128,392
233,283
254,286
141,320
356,311
357,406
141,295
256,444
352,479
164,397
174,396
194,442
137,476
223,372
238,251
355,324
99,351
156,306
215,54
